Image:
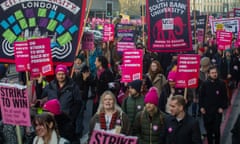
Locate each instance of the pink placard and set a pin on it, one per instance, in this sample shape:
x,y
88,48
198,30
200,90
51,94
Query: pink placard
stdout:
x,y
188,71
108,32
40,57
103,137
15,104
200,35
132,65
88,41
21,53
224,40
238,40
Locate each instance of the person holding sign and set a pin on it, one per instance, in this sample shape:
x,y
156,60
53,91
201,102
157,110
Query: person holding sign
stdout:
x,y
65,90
109,116
149,123
46,130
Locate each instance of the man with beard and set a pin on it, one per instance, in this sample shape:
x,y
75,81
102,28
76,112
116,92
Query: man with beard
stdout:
x,y
134,102
64,89
212,101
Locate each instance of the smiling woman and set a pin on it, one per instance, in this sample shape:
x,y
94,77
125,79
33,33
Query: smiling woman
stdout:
x,y
46,130
109,116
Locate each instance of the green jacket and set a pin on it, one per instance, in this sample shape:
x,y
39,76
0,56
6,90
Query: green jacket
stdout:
x,y
131,106
149,131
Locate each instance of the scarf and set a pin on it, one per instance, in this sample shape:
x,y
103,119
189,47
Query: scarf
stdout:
x,y
99,72
54,139
102,121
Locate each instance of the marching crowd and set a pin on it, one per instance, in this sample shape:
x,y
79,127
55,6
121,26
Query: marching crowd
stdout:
x,y
152,109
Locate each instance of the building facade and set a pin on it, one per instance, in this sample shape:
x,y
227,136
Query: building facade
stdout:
x,y
99,8
214,6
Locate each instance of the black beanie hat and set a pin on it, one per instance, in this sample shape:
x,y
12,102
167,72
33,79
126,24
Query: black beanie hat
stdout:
x,y
136,84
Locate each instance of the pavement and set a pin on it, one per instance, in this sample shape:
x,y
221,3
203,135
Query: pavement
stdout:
x,y
230,118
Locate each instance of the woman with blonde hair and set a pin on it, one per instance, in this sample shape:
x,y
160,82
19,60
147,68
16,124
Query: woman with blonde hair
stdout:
x,y
46,130
109,116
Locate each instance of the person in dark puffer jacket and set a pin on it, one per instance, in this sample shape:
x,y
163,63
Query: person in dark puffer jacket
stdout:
x,y
134,102
149,123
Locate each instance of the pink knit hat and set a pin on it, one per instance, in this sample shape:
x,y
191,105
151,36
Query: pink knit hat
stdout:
x,y
171,76
52,106
152,96
61,68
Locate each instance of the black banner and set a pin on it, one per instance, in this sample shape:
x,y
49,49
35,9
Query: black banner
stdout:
x,y
201,22
60,20
169,28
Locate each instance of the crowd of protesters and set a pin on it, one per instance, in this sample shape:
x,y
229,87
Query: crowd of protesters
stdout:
x,y
152,109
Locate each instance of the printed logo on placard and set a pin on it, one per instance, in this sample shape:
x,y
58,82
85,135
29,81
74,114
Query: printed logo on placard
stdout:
x,y
192,81
35,70
46,68
167,24
136,76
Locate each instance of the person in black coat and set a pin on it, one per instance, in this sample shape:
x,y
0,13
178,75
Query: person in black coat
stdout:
x,y
64,123
103,78
180,128
212,101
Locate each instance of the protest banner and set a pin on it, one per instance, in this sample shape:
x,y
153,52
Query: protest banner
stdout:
x,y
22,58
238,39
108,32
132,65
103,137
224,40
169,28
236,12
227,24
61,21
201,23
40,57
187,71
15,106
125,36
88,41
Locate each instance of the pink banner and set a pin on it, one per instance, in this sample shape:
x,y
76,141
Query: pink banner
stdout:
x,y
40,57
15,104
200,35
238,40
88,41
188,71
103,137
108,32
21,53
132,65
224,40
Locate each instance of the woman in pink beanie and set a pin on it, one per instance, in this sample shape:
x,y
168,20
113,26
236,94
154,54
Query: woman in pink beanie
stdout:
x,y
64,123
149,123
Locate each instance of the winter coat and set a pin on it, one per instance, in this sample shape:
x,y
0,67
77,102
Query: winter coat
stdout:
x,y
68,96
228,68
102,82
149,130
65,127
159,81
131,106
185,131
212,96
